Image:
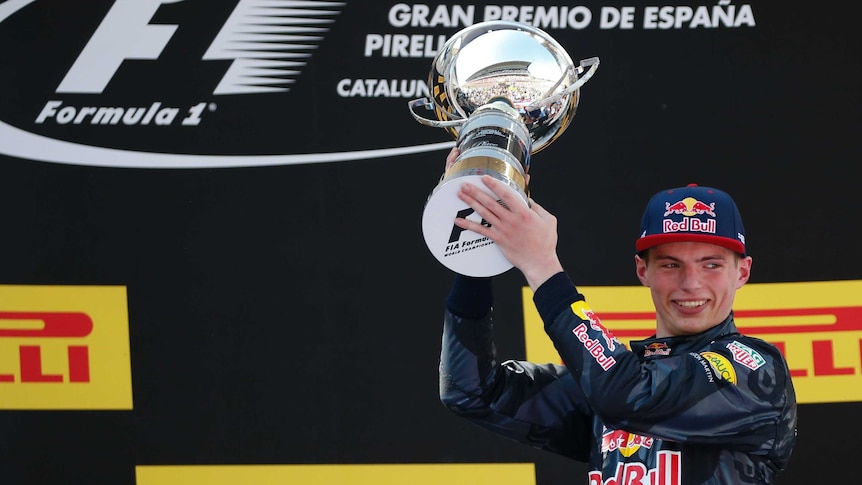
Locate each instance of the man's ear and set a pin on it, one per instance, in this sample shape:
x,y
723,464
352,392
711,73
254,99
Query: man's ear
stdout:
x,y
743,271
640,270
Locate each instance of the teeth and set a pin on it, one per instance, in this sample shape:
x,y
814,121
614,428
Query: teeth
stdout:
x,y
691,304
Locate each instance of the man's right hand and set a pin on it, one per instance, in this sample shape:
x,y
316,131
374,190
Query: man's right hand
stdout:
x,y
527,236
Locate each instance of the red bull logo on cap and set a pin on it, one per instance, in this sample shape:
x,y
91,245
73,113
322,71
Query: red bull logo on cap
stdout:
x,y
689,207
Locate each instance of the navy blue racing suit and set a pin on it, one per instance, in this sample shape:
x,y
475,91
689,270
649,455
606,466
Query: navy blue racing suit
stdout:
x,y
713,408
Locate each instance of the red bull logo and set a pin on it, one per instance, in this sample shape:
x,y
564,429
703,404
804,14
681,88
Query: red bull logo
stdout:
x,y
656,348
689,224
596,324
595,348
626,443
689,207
668,471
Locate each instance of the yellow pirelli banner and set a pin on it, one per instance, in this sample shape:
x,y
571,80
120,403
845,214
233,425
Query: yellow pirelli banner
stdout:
x,y
817,325
64,347
396,474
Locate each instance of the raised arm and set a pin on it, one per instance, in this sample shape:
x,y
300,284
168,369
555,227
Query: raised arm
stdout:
x,y
539,405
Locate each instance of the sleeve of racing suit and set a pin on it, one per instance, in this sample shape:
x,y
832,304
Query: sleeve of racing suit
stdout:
x,y
681,398
539,405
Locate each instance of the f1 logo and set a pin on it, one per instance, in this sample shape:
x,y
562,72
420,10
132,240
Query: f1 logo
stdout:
x,y
463,214
290,31
53,325
124,34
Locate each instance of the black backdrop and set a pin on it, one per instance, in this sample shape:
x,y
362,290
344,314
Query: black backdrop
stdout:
x,y
289,313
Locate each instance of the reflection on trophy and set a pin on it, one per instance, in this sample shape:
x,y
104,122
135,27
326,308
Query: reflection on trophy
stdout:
x,y
504,90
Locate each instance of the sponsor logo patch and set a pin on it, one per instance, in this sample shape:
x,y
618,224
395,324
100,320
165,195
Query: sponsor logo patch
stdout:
x,y
656,348
626,443
721,366
595,347
745,355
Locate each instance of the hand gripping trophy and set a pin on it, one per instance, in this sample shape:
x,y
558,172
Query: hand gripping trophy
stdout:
x,y
504,90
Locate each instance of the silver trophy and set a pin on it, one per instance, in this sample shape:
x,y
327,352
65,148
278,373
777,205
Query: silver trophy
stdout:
x,y
504,90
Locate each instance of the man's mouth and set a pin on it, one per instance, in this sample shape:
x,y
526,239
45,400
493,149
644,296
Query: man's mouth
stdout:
x,y
689,304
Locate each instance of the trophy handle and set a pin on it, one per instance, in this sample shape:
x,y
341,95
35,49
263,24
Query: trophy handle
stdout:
x,y
429,105
592,63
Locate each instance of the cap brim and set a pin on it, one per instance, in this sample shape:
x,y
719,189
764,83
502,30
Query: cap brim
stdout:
x,y
647,242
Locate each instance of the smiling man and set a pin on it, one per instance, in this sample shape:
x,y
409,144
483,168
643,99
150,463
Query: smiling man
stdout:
x,y
697,403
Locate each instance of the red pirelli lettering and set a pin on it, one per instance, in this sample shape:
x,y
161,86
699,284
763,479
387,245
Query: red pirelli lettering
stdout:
x,y
54,325
31,366
824,360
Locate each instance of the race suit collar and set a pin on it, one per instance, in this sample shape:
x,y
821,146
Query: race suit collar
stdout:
x,y
663,347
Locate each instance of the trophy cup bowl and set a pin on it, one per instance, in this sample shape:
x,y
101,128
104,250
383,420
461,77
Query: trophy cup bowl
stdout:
x,y
504,90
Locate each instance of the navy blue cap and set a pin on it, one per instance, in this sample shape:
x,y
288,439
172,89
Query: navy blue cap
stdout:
x,y
692,213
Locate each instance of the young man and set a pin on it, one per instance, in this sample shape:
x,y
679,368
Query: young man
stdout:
x,y
697,403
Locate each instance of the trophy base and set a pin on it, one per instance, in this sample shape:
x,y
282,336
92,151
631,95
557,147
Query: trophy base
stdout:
x,y
464,252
